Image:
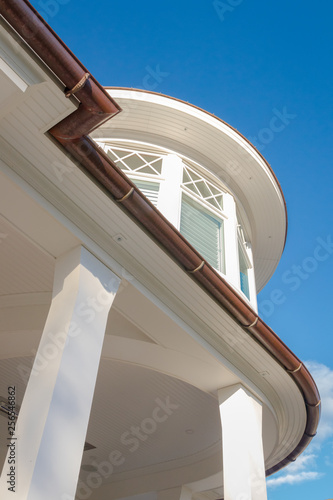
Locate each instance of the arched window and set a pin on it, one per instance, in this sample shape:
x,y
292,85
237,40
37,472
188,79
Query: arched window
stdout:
x,y
195,202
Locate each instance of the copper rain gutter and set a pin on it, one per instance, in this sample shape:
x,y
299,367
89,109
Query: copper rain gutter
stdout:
x,y
95,107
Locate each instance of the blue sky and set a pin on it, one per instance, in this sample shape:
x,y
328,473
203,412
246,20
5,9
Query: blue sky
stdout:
x,y
245,61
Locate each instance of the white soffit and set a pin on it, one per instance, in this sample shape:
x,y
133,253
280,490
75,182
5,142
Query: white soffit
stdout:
x,y
190,131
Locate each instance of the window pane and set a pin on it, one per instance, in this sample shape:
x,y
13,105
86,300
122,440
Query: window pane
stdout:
x,y
145,170
133,162
120,153
155,161
112,155
219,201
204,190
149,189
203,230
244,279
186,177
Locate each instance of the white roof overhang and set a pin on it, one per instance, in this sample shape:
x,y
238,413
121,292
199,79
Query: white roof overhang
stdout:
x,y
190,131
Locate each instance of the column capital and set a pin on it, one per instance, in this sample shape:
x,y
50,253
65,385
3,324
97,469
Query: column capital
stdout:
x,y
226,392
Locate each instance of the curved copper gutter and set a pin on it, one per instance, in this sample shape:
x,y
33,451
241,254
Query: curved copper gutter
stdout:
x,y
95,107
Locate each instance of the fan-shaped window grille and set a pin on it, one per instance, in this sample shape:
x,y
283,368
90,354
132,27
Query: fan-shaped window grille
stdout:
x,y
136,162
202,188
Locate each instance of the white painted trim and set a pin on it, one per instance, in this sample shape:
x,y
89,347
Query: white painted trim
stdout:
x,y
14,77
169,198
230,238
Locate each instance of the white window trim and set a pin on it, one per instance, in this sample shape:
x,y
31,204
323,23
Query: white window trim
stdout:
x,y
207,207
169,198
246,250
231,247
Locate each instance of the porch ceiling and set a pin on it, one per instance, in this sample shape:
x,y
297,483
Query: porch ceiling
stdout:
x,y
146,356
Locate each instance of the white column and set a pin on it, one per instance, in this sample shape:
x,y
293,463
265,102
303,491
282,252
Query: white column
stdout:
x,y
252,279
169,196
54,415
243,458
231,241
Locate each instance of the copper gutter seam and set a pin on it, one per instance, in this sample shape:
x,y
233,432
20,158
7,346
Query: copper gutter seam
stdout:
x,y
296,369
122,189
127,195
78,86
200,266
252,324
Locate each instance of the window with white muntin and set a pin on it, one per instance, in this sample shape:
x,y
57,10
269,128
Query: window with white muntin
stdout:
x,y
143,167
202,216
191,198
